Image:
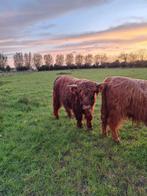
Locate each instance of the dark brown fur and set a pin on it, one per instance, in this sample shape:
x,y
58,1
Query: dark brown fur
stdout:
x,y
77,96
123,98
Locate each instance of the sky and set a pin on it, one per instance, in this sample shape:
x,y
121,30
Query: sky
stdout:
x,y
79,26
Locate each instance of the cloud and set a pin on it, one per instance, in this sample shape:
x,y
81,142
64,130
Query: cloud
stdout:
x,y
27,25
114,39
124,36
16,16
121,37
19,24
112,32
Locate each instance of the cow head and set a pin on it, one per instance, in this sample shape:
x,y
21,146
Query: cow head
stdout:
x,y
86,92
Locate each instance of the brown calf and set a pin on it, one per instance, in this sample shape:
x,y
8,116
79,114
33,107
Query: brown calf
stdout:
x,y
77,96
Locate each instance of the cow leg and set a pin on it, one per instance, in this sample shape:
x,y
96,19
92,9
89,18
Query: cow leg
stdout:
x,y
115,135
79,124
79,117
56,106
104,120
104,114
114,126
104,127
88,122
113,121
89,125
56,111
68,110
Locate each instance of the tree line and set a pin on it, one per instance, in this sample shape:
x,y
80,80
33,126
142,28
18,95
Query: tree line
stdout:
x,y
29,61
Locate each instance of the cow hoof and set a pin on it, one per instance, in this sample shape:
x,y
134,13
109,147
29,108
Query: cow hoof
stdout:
x,y
56,117
80,126
104,134
70,117
117,141
89,128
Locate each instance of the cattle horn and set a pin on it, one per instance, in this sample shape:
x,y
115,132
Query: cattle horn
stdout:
x,y
100,86
73,87
86,107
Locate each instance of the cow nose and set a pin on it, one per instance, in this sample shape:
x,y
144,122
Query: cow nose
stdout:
x,y
86,107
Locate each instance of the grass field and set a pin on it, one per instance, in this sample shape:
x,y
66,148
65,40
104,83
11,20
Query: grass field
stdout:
x,y
43,156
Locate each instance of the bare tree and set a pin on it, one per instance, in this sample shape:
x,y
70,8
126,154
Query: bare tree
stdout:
x,y
18,60
103,58
88,59
142,54
69,59
3,61
59,59
97,59
132,57
123,57
48,59
27,60
79,60
37,59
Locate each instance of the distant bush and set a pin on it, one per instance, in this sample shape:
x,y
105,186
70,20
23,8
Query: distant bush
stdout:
x,y
2,69
115,64
8,68
5,69
22,68
45,68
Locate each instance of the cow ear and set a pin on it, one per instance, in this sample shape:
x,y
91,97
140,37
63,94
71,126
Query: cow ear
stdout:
x,y
100,87
73,88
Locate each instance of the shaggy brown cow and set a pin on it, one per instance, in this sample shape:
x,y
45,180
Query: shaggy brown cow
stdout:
x,y
123,98
77,96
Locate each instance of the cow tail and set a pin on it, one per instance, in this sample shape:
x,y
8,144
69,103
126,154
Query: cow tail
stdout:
x,y
56,97
55,81
55,89
104,107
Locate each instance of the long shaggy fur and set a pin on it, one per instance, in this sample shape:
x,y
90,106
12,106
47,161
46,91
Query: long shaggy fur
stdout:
x,y
77,96
123,98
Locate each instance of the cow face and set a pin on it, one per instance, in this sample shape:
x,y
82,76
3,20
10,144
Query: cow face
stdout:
x,y
87,98
86,92
85,95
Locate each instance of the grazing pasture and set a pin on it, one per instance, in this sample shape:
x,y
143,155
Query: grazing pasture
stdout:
x,y
40,155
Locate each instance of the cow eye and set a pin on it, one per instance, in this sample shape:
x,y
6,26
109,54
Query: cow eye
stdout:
x,y
92,98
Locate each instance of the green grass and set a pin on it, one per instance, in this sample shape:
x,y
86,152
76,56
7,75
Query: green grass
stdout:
x,y
43,156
